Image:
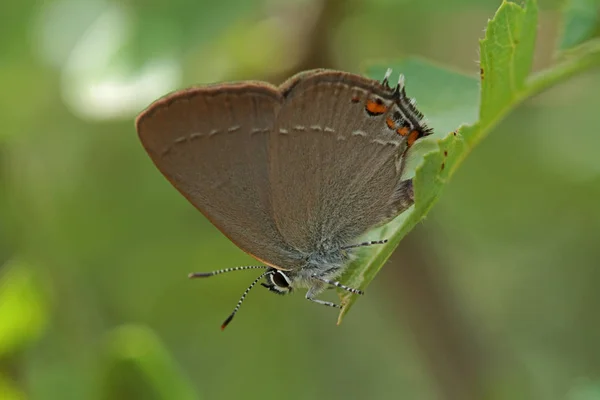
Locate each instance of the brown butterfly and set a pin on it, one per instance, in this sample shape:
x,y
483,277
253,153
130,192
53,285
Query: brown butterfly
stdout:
x,y
294,174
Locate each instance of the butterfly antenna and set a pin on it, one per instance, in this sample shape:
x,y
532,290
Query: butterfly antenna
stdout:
x,y
239,303
364,244
222,271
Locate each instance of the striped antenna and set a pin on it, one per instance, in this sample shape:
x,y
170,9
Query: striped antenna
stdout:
x,y
239,303
364,244
222,271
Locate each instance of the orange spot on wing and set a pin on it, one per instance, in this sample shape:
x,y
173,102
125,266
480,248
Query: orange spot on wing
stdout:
x,y
414,135
375,107
403,131
390,123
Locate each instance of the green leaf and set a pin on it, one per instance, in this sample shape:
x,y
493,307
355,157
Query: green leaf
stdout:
x,y
137,362
581,20
506,58
22,308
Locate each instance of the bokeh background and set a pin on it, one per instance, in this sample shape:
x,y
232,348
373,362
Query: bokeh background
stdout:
x,y
496,295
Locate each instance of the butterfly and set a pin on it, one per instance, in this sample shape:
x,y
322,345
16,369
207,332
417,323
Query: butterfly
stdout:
x,y
292,174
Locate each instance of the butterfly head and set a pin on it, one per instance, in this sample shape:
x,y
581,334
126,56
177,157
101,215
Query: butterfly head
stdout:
x,y
279,282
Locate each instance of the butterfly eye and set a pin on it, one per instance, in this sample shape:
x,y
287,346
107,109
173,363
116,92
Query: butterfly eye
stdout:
x,y
280,279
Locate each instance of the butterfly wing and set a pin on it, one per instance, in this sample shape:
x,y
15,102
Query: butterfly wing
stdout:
x,y
336,159
211,143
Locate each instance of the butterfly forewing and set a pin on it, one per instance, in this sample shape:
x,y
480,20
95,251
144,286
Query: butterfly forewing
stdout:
x,y
212,144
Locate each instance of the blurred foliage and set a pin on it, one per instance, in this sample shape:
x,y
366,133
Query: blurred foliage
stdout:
x,y
581,22
585,391
95,245
8,391
138,366
22,307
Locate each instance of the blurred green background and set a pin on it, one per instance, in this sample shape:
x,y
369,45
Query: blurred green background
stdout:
x,y
496,295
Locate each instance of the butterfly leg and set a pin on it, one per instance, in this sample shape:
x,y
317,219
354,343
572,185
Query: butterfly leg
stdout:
x,y
315,290
325,303
339,285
